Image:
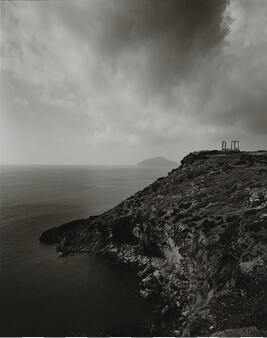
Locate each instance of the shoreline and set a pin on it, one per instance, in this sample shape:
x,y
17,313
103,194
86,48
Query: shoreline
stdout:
x,y
179,232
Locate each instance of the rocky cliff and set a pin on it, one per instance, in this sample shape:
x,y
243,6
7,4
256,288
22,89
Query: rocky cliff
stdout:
x,y
198,239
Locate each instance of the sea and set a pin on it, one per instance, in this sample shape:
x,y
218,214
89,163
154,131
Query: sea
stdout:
x,y
42,294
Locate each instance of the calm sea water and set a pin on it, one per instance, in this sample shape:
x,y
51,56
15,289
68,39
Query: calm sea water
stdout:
x,y
43,295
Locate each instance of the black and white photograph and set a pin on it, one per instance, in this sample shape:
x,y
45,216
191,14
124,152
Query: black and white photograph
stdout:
x,y
133,168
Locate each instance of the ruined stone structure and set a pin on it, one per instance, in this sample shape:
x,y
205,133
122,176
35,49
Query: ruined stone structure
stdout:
x,y
223,145
234,145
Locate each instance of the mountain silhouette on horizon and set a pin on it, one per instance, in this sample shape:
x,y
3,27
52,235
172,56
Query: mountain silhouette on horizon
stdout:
x,y
158,161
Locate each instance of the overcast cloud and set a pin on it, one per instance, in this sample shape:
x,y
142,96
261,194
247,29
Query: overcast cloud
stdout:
x,y
118,81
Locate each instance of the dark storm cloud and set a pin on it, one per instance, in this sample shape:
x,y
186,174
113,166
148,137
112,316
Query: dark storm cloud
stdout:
x,y
144,74
173,34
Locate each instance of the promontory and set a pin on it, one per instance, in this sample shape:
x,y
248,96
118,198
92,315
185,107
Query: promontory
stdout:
x,y
198,240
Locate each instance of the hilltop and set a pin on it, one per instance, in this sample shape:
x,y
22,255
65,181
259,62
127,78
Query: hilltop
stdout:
x,y
158,162
198,239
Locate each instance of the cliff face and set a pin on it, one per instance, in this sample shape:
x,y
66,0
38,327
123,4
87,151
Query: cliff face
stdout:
x,y
198,237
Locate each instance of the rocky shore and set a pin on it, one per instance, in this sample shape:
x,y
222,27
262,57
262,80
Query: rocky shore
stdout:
x,y
198,239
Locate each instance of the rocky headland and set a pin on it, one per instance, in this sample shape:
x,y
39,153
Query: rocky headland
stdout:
x,y
198,240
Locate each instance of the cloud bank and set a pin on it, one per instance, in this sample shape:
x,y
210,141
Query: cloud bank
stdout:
x,y
117,81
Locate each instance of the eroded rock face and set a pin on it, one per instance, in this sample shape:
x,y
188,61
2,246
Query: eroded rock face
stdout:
x,y
198,237
242,332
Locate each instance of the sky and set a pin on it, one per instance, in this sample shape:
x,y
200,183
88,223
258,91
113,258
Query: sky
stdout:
x,y
119,81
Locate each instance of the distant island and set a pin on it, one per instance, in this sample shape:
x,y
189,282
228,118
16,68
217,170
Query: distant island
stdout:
x,y
157,162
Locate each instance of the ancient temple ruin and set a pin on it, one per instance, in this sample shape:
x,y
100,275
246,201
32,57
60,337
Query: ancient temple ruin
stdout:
x,y
234,145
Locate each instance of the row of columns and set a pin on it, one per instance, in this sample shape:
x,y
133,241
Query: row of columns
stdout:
x,y
234,145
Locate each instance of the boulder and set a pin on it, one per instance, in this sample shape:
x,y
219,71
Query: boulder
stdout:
x,y
151,282
148,293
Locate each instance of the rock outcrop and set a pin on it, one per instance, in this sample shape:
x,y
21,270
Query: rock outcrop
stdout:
x,y
198,238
